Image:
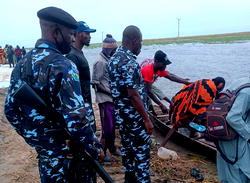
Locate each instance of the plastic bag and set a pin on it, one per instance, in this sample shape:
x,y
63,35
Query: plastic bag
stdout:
x,y
165,153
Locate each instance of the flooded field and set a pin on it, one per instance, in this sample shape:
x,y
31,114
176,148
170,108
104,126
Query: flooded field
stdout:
x,y
196,61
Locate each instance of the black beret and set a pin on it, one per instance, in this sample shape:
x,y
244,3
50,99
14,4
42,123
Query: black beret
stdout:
x,y
57,15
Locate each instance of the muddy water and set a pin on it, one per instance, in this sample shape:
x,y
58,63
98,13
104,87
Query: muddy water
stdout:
x,y
196,61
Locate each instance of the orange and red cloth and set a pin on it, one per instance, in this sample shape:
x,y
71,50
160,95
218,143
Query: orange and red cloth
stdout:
x,y
192,100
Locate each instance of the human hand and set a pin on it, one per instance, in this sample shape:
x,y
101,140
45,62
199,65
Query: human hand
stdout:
x,y
187,81
164,109
149,126
171,104
101,155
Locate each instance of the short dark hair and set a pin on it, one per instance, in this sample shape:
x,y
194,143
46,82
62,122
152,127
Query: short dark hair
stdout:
x,y
162,57
219,80
130,33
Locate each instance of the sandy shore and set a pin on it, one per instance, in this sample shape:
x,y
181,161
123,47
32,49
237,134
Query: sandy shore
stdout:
x,y
18,163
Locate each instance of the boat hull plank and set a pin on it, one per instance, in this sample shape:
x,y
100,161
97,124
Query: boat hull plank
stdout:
x,y
200,146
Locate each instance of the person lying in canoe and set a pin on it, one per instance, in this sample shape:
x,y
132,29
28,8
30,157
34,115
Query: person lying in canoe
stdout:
x,y
191,102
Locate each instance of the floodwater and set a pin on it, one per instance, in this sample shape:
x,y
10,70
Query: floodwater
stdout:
x,y
196,61
5,72
193,60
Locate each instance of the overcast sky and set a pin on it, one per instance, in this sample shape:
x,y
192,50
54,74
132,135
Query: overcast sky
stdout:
x,y
155,18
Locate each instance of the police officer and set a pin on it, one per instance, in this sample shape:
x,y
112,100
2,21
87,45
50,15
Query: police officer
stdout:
x,y
82,38
56,80
129,97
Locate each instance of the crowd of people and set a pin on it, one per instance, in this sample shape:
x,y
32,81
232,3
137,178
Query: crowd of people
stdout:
x,y
11,55
60,74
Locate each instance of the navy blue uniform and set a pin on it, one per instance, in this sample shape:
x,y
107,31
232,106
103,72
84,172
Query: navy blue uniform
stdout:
x,y
63,93
125,74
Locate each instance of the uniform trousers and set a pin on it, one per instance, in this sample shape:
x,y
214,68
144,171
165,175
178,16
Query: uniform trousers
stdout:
x,y
135,149
63,170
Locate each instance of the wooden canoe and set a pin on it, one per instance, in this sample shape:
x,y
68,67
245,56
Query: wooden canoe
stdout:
x,y
200,146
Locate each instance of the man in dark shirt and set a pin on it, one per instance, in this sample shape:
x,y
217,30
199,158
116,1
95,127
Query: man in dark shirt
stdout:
x,y
10,55
82,38
23,51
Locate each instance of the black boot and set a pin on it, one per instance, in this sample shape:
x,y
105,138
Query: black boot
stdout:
x,y
130,177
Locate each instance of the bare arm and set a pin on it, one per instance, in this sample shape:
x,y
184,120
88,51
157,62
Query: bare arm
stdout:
x,y
177,79
168,100
138,105
148,87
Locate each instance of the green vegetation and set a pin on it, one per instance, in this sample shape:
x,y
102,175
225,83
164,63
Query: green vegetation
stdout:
x,y
94,45
208,39
200,39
